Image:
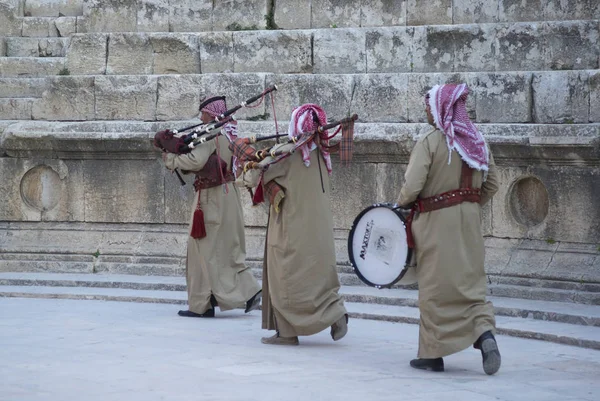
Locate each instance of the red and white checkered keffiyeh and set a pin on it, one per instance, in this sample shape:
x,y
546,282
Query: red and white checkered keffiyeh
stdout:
x,y
217,107
448,106
303,121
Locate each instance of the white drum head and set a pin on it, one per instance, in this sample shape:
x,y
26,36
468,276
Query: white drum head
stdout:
x,y
378,246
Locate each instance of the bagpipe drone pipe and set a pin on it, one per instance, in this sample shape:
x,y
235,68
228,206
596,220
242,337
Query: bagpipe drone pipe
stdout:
x,y
173,141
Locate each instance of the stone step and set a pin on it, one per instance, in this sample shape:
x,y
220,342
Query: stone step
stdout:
x,y
16,109
495,47
545,97
31,67
562,312
538,321
48,27
22,87
36,47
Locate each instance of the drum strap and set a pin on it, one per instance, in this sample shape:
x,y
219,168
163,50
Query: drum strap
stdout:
x,y
451,198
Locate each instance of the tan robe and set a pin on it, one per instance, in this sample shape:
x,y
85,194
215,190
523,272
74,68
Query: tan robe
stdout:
x,y
300,282
450,251
216,263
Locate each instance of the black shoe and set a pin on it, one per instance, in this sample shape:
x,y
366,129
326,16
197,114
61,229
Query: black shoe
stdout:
x,y
489,352
435,365
187,313
254,302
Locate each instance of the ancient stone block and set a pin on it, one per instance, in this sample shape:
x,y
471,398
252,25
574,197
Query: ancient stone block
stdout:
x,y
216,52
191,16
273,51
110,15
503,98
178,199
292,14
557,10
22,87
237,88
474,48
388,49
594,79
478,11
10,25
374,90
87,54
570,45
419,84
433,49
130,191
129,53
15,109
332,92
53,47
153,16
435,12
39,27
66,26
67,98
53,8
339,51
179,97
520,10
382,12
335,13
234,15
30,68
346,198
2,47
518,47
175,53
22,47
126,97
561,97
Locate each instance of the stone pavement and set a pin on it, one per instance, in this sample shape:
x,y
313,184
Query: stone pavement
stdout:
x,y
94,350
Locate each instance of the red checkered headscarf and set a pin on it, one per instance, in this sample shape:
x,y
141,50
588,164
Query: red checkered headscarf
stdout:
x,y
448,106
215,106
307,118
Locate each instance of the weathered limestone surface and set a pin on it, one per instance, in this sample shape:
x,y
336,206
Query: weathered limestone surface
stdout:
x,y
67,98
10,25
153,15
15,109
292,14
179,97
129,54
474,11
22,47
245,15
53,8
175,53
39,27
389,50
191,16
110,15
382,12
269,51
339,51
30,67
66,26
374,90
335,13
503,98
216,52
125,97
22,87
87,54
561,98
435,12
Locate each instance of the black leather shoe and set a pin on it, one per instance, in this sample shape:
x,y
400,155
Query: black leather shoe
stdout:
x,y
435,365
254,302
187,313
490,354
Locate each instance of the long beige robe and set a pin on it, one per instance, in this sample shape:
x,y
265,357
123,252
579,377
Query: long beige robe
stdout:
x,y
449,249
216,263
300,282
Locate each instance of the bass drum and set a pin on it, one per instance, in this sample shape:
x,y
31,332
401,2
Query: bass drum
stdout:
x,y
378,247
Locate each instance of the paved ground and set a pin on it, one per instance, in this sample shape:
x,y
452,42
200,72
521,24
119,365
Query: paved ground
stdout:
x,y
64,350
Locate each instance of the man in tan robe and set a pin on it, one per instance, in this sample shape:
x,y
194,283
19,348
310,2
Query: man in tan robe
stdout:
x,y
216,273
450,176
300,280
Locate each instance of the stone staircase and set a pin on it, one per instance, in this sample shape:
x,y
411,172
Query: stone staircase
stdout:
x,y
84,84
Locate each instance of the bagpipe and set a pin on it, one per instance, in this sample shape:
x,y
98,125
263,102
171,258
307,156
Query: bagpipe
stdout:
x,y
172,141
249,157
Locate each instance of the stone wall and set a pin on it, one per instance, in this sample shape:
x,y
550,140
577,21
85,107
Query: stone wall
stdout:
x,y
84,85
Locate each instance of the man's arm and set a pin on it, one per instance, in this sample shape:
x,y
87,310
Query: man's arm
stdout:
x,y
193,161
490,185
416,173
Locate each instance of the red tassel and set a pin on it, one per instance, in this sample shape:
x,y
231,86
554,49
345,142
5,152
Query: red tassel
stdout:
x,y
259,196
198,228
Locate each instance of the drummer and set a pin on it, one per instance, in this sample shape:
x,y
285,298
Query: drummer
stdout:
x,y
447,232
